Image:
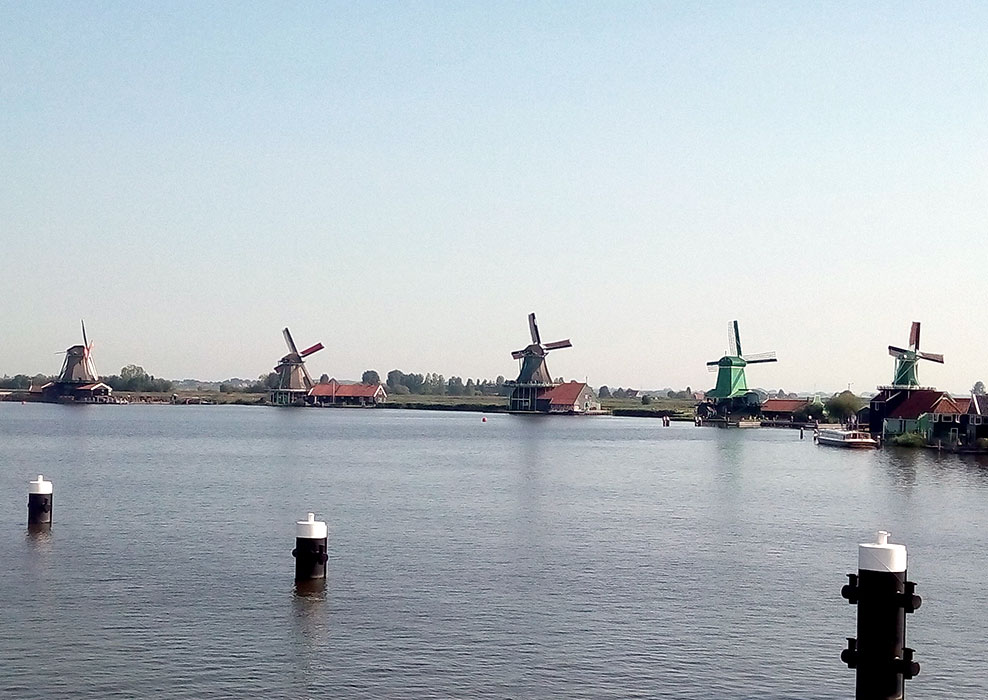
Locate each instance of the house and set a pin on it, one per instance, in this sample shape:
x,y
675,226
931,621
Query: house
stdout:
x,y
333,393
903,402
975,423
783,409
946,417
66,392
571,397
912,412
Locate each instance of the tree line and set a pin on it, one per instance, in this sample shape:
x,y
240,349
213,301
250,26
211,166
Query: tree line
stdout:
x,y
399,382
131,378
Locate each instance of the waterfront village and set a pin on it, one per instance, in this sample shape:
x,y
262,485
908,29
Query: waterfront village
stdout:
x,y
903,412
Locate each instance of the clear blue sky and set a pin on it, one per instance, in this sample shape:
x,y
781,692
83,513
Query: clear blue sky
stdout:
x,y
406,181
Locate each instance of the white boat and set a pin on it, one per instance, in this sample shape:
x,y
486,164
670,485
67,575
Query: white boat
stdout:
x,y
846,438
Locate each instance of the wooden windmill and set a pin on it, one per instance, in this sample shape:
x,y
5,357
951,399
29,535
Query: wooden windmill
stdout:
x,y
533,375
78,381
78,367
732,391
907,360
294,381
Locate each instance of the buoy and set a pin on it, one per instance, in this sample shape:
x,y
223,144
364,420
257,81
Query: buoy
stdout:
x,y
311,542
879,654
484,419
39,501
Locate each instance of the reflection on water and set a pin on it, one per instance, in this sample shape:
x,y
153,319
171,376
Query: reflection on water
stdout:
x,y
522,557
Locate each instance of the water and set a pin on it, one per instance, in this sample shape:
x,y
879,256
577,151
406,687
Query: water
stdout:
x,y
517,558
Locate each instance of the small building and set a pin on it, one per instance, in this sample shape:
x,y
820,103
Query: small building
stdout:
x,y
333,393
975,422
74,392
783,409
946,417
571,397
912,415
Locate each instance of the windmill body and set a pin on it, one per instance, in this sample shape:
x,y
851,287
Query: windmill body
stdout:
x,y
294,381
533,377
731,393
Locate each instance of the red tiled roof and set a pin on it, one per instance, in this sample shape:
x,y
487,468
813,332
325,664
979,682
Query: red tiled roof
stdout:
x,y
334,388
328,389
90,387
918,403
950,405
564,394
783,405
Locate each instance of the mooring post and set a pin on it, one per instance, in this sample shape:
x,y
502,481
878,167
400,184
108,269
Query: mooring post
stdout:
x,y
879,654
39,501
311,545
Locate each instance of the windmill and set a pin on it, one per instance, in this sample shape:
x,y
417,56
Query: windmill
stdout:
x,y
533,375
294,381
533,369
78,367
732,386
906,361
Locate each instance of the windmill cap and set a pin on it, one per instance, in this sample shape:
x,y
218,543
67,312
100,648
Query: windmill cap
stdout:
x,y
311,529
882,556
39,486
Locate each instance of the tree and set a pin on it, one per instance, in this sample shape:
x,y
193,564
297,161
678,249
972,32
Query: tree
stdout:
x,y
978,388
324,378
646,399
843,405
604,392
370,377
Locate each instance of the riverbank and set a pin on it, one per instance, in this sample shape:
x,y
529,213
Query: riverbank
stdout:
x,y
676,409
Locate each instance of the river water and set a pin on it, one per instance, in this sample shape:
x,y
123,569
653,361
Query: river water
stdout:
x,y
519,557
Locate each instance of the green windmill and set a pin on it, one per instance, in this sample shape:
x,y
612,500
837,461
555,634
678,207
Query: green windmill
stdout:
x,y
907,360
732,387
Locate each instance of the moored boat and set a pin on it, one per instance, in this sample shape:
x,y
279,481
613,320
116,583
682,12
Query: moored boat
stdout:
x,y
846,438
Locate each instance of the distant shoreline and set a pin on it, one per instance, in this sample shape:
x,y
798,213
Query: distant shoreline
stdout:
x,y
676,409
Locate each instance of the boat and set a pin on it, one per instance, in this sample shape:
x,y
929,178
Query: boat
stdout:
x,y
846,438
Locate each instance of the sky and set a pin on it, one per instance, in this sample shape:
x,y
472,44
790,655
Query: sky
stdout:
x,y
405,181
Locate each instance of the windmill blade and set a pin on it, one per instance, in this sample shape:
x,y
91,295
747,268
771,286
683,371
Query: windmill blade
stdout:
x,y
733,339
558,344
897,352
85,341
289,341
713,363
308,351
518,354
761,360
712,367
308,379
534,328
914,336
931,356
760,357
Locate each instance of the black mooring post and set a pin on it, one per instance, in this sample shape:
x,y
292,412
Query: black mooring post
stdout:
x,y
39,502
311,544
879,654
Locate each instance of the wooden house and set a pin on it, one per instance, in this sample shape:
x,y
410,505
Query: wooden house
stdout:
x,y
333,393
571,397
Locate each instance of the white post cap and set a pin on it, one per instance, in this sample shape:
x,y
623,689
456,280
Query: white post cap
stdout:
x,y
311,528
882,556
40,486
